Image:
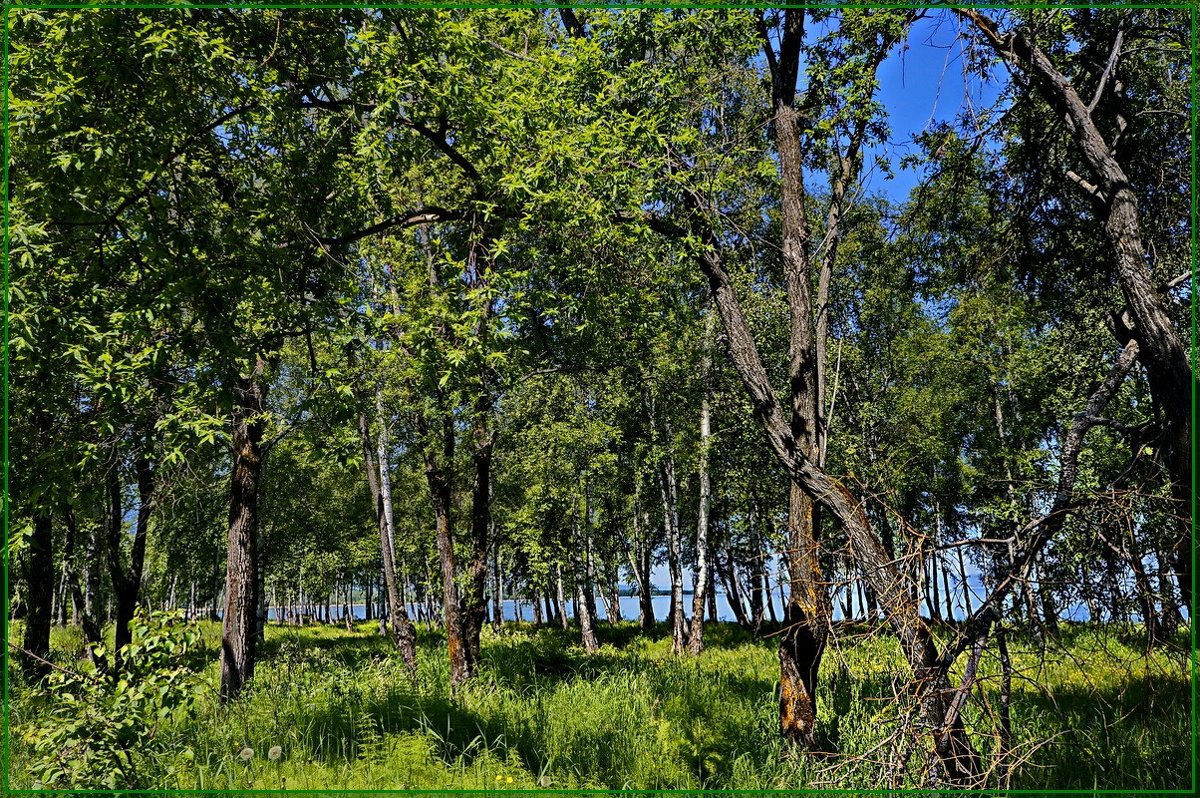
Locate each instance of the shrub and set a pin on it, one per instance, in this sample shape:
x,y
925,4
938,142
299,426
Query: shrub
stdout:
x,y
106,731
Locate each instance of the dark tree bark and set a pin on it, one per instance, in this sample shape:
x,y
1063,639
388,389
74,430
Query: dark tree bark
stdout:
x,y
959,761
808,613
127,582
241,602
474,599
39,595
437,475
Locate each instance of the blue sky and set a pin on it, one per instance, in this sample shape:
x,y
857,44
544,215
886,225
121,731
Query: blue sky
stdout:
x,y
921,85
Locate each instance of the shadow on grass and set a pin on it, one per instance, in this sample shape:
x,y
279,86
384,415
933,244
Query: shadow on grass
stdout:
x,y
1127,735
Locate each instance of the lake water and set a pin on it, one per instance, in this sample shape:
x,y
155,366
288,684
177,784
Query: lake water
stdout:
x,y
662,606
629,606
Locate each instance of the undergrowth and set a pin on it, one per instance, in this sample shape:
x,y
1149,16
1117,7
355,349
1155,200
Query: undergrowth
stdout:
x,y
330,709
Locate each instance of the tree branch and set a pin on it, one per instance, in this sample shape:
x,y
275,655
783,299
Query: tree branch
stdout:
x,y
1047,526
571,22
427,215
1113,55
438,139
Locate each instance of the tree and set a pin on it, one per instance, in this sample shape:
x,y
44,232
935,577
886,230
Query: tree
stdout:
x,y
1146,318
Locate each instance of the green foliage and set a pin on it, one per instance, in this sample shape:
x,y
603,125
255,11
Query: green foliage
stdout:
x,y
101,731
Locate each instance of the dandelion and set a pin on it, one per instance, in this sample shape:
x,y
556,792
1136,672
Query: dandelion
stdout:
x,y
246,754
274,753
498,777
508,779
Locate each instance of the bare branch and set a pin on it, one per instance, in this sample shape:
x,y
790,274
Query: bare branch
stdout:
x,y
1087,185
1178,280
1113,55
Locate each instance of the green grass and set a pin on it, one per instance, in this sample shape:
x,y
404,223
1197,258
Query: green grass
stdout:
x,y
1093,711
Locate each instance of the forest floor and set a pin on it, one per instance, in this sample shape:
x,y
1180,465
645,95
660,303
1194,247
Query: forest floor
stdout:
x,y
1088,711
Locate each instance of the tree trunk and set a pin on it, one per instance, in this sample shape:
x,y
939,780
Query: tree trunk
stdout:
x,y
808,611
583,607
700,577
127,583
498,590
640,559
1171,617
668,488
713,612
1005,699
70,569
560,606
241,603
733,593
39,595
807,616
437,474
379,481
589,566
368,596
91,569
614,587
758,572
960,762
474,599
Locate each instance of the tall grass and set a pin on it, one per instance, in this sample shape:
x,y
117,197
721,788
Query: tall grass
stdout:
x,y
342,713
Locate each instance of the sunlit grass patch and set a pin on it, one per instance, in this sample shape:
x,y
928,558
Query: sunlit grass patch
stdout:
x,y
331,709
